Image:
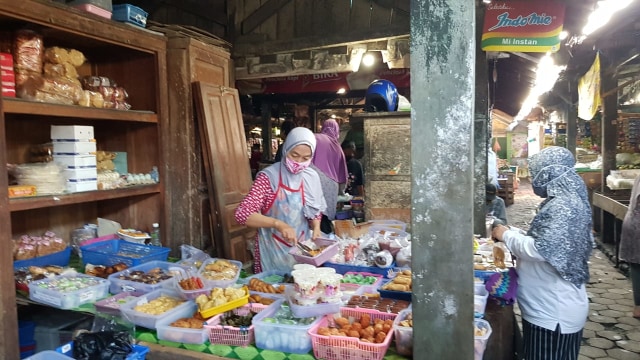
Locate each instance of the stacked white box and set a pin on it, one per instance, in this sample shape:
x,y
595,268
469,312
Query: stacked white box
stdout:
x,y
74,147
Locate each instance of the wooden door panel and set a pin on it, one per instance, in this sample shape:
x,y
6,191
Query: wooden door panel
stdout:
x,y
226,163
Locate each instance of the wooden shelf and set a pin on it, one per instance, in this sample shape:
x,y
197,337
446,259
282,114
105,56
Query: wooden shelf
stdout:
x,y
38,202
18,106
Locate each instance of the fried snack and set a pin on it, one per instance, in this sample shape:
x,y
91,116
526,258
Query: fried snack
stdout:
x,y
498,257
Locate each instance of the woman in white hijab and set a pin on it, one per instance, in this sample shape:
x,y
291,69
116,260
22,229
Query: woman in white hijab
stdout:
x,y
284,198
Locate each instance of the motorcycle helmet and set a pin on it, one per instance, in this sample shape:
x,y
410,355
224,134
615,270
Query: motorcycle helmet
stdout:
x,y
382,95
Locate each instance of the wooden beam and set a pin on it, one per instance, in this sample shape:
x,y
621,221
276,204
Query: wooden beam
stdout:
x,y
261,14
317,42
199,9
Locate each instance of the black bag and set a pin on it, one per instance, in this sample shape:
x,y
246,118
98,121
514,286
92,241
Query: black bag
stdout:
x,y
326,226
105,345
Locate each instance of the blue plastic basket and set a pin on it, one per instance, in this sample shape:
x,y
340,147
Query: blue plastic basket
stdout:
x,y
116,251
139,351
61,258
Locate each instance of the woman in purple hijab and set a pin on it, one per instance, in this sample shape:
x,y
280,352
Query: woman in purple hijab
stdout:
x,y
331,165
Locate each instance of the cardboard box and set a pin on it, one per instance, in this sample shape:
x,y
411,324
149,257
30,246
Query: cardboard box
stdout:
x,y
74,147
16,191
84,174
346,228
79,186
76,161
72,132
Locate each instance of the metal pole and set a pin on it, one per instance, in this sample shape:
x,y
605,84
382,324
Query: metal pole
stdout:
x,y
442,122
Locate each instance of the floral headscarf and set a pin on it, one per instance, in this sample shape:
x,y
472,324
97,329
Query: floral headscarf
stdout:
x,y
562,227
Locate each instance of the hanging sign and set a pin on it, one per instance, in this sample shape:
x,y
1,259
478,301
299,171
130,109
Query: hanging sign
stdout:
x,y
332,82
589,91
532,26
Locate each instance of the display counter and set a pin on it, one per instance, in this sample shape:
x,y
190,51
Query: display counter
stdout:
x,y
609,211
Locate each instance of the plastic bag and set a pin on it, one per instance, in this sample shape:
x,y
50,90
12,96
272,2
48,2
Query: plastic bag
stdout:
x,y
192,256
403,257
105,345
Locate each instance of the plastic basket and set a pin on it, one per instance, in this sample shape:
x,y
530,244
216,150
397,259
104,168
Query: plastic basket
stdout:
x,y
403,334
330,251
139,352
480,342
342,347
48,355
390,294
480,297
231,335
61,258
111,252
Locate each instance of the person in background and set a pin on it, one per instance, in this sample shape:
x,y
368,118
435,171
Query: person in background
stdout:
x,y
630,244
495,204
285,129
254,161
553,257
331,165
355,180
283,199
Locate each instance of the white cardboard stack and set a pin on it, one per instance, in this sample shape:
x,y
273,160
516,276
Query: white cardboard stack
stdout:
x,y
74,147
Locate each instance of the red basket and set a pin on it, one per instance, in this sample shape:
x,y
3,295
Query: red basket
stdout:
x,y
342,347
230,335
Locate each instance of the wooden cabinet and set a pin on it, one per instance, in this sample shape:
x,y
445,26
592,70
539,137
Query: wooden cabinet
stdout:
x,y
387,165
188,61
136,60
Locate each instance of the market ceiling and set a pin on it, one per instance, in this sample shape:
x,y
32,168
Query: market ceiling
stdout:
x,y
514,72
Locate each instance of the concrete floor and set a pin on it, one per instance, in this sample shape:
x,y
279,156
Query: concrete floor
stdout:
x,y
611,332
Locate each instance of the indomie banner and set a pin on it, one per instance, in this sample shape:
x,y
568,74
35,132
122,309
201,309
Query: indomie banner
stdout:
x,y
532,26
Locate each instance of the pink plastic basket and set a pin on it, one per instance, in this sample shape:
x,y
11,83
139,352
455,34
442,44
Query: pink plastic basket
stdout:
x,y
342,347
330,251
230,335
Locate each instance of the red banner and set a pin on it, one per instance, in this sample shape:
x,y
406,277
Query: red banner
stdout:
x,y
332,82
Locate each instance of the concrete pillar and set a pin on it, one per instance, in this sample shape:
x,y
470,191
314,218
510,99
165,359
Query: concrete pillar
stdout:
x,y
442,122
482,130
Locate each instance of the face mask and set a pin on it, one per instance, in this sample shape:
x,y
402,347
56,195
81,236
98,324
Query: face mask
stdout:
x,y
296,167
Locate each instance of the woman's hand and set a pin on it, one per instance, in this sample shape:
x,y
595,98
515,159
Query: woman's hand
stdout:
x,y
288,233
498,232
315,224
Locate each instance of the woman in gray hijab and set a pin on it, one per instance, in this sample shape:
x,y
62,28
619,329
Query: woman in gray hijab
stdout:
x,y
283,200
630,244
552,259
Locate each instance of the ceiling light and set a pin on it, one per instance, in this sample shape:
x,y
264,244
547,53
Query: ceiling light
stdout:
x,y
602,14
333,116
342,91
564,35
368,59
486,1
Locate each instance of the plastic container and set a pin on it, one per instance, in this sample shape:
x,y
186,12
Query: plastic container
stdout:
x,y
111,305
105,4
218,283
49,355
314,310
390,294
143,238
130,14
185,309
231,335
480,341
26,332
177,334
403,334
111,252
190,294
61,293
281,337
139,352
61,258
345,268
94,10
342,347
332,248
226,307
273,277
120,285
480,297
347,286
